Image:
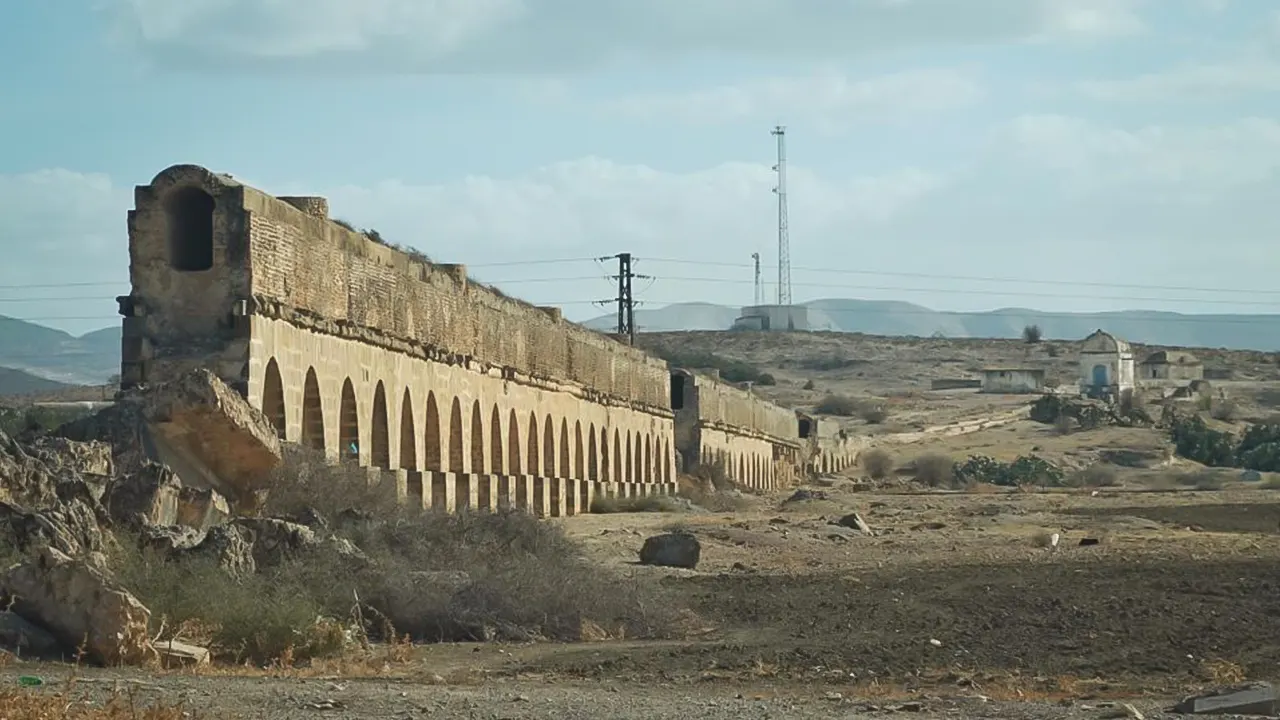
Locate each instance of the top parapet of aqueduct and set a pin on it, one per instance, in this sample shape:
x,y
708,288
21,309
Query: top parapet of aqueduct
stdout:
x,y
310,216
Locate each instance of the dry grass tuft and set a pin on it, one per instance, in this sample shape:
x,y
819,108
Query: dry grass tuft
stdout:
x,y
878,463
66,704
648,504
935,470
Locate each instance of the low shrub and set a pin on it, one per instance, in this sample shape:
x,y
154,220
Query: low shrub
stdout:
x,y
1095,476
878,463
837,405
934,470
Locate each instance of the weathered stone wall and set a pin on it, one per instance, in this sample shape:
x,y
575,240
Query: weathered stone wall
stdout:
x,y
362,351
756,442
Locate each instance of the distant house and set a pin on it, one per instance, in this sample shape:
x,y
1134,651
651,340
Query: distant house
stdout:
x,y
1011,381
1177,365
1106,365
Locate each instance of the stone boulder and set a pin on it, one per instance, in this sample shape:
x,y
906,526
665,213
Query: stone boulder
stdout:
x,y
146,497
81,606
202,508
276,541
71,528
680,550
28,641
24,478
229,546
170,540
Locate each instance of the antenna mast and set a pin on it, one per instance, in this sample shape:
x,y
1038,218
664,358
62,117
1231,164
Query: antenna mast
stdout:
x,y
759,288
784,239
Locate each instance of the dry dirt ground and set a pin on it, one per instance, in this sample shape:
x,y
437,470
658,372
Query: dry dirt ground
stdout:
x,y
950,604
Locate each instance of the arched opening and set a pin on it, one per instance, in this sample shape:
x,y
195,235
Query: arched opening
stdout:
x,y
456,453
273,397
477,439
639,460
349,424
533,467
617,458
579,460
666,462
565,463
379,441
408,438
593,463
431,439
648,459
495,442
312,413
189,224
631,461
513,444
548,448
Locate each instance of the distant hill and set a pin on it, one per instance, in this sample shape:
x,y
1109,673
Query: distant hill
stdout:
x,y
59,356
875,317
16,382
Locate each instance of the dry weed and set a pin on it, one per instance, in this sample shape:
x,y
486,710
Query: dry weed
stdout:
x,y
66,704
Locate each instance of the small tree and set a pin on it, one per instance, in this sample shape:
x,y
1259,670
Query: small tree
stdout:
x,y
1031,334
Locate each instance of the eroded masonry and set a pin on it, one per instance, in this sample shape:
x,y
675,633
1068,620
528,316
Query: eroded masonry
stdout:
x,y
466,397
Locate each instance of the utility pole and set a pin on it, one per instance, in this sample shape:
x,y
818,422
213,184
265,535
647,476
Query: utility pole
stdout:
x,y
759,299
784,239
625,300
626,303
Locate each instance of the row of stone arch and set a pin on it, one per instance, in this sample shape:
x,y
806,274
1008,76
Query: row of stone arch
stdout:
x,y
750,469
517,444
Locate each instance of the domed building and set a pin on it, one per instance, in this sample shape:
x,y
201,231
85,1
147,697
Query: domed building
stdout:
x,y
1106,366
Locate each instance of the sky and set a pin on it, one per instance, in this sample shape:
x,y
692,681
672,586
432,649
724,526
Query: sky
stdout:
x,y
1065,155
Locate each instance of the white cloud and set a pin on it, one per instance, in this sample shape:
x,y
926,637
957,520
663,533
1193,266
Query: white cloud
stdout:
x,y
1197,161
1189,83
829,97
539,35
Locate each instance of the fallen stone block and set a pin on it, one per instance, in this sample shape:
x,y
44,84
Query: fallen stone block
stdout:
x,y
174,655
202,508
81,606
1257,698
671,550
213,425
146,497
854,521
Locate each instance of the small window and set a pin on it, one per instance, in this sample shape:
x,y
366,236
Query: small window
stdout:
x,y
806,427
189,212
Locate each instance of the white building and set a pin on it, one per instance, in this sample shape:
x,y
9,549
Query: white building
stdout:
x,y
773,317
1012,381
1106,366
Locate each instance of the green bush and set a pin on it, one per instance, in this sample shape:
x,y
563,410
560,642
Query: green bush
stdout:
x,y
1024,470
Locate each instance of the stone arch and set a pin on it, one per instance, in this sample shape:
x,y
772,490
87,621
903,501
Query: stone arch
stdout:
x,y
630,468
666,462
189,229
456,454
312,413
605,474
495,442
273,397
579,459
408,438
431,435
593,462
477,439
742,470
549,448
618,475
565,464
638,459
648,458
533,466
379,442
513,444
348,424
